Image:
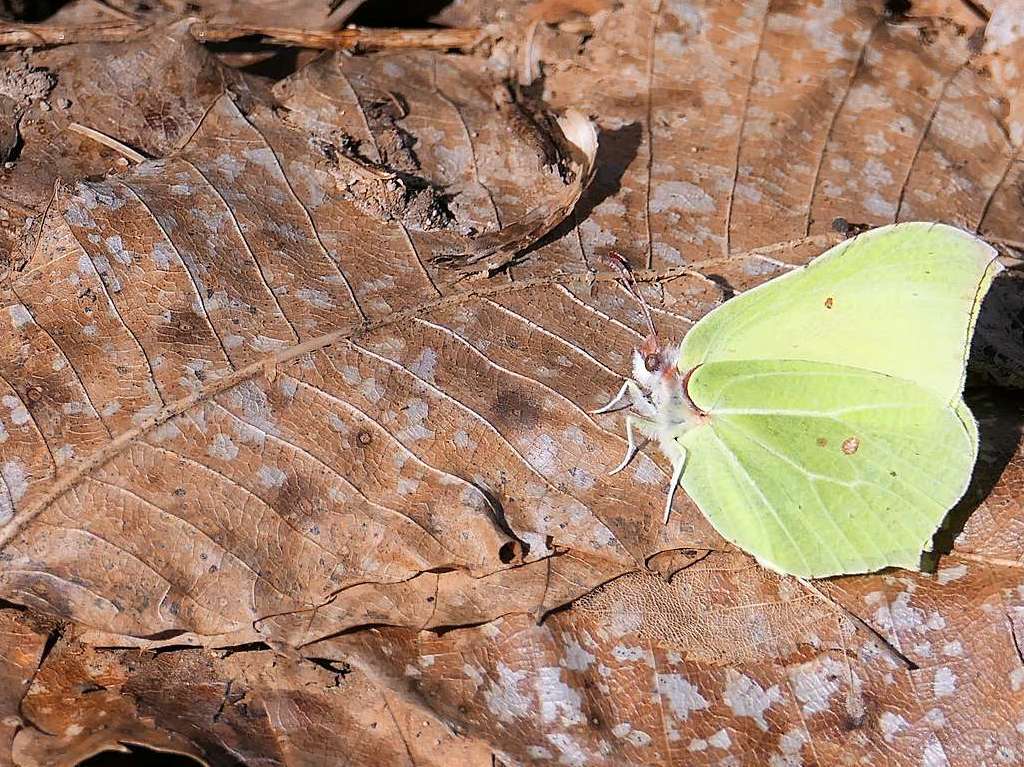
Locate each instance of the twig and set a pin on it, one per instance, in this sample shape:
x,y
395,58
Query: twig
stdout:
x,y
887,647
107,141
354,38
990,561
23,35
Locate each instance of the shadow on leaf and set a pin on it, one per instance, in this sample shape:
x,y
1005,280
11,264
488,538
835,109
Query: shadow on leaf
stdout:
x,y
616,150
1000,417
998,410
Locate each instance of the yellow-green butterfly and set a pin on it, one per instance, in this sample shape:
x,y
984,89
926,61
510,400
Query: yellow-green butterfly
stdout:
x,y
818,419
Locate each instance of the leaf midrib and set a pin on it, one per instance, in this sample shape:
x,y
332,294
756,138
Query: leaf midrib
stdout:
x,y
267,364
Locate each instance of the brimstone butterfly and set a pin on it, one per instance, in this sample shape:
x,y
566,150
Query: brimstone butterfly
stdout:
x,y
817,420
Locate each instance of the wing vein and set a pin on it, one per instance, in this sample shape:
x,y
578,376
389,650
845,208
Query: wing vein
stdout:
x,y
775,515
807,475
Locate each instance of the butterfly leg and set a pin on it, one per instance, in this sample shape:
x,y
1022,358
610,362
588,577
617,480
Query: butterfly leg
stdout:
x,y
633,424
678,464
630,387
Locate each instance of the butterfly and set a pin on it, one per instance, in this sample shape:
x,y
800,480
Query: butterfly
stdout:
x,y
817,420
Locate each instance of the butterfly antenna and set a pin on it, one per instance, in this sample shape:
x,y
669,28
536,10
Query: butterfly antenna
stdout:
x,y
630,284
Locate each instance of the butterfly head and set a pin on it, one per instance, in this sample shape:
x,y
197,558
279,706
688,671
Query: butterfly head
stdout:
x,y
654,366
655,369
663,385
653,361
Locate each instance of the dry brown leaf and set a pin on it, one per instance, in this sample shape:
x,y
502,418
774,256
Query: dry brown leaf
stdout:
x,y
768,123
248,706
220,364
240,405
581,690
23,640
602,692
722,610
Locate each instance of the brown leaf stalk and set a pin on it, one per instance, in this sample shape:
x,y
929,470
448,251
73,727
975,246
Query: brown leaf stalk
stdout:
x,y
353,39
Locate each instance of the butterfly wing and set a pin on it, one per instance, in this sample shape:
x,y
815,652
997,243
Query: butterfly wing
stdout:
x,y
900,300
819,469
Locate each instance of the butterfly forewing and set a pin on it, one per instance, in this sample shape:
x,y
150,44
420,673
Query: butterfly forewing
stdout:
x,y
900,300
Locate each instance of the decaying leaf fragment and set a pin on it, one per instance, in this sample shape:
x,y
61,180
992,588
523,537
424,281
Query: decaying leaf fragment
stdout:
x,y
248,706
23,642
492,250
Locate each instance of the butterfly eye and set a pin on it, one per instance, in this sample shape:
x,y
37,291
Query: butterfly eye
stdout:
x,y
652,362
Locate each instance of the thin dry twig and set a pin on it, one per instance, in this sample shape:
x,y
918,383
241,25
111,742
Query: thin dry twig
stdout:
x,y
353,38
885,645
24,35
990,561
107,141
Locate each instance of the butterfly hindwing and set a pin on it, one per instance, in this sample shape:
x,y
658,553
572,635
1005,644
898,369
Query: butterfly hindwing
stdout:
x,y
819,469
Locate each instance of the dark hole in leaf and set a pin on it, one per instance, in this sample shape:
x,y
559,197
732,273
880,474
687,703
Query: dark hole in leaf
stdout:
x,y
507,552
381,13
897,9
